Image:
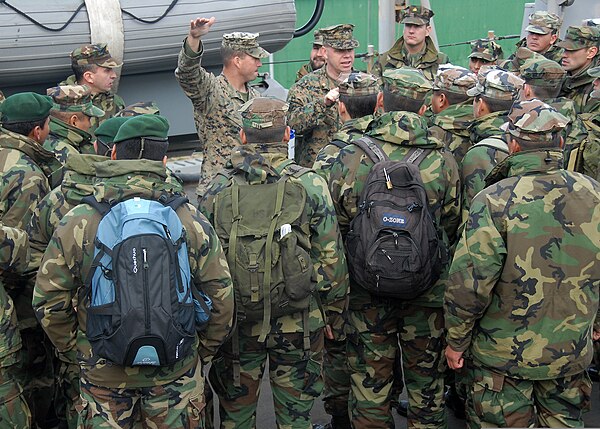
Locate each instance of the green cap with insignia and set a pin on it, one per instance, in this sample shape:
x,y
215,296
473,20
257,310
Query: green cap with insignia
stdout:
x,y
74,98
94,54
25,107
139,108
521,55
408,82
542,72
318,38
153,127
359,84
542,22
579,37
534,120
496,84
457,80
244,42
486,49
264,112
339,36
417,15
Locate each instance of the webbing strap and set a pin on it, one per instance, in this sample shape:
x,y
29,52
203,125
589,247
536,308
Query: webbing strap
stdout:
x,y
235,351
372,149
414,155
306,337
235,209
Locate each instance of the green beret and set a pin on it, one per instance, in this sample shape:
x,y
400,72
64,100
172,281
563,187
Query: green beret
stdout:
x,y
108,129
408,82
25,107
153,127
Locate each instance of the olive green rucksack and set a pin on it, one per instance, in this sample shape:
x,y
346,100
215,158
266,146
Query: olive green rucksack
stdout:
x,y
265,234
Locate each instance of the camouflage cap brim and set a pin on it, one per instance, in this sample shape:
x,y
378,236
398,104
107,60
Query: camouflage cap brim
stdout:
x,y
573,45
110,63
414,20
538,29
257,52
93,111
475,91
343,44
88,109
482,56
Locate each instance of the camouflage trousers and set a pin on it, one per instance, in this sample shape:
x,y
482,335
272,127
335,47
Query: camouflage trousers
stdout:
x,y
294,373
14,412
66,395
495,400
372,349
178,404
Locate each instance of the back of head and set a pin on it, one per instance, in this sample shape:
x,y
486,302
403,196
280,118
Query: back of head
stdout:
x,y
142,137
22,112
521,55
264,120
544,76
535,125
454,82
498,88
404,89
359,92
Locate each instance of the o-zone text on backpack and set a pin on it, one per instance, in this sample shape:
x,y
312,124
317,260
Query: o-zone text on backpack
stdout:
x,y
141,300
393,244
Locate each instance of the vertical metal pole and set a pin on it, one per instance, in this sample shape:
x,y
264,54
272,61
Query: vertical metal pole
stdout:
x,y
433,35
387,23
271,66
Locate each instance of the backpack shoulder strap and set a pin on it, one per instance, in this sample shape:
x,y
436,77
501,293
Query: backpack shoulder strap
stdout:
x,y
102,207
174,201
416,155
371,148
339,143
295,170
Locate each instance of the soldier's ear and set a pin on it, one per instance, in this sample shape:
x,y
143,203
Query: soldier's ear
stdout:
x,y
379,104
592,52
243,136
422,110
513,145
113,153
286,134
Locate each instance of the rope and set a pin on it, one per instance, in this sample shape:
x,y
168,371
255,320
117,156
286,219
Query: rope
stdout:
x,y
512,36
81,6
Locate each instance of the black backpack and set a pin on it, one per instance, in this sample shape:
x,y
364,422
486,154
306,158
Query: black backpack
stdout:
x,y
393,245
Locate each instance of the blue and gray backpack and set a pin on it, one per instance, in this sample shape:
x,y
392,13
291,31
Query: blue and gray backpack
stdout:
x,y
142,306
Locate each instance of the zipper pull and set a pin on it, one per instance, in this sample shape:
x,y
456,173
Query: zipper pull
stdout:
x,y
388,181
369,207
146,266
395,239
386,255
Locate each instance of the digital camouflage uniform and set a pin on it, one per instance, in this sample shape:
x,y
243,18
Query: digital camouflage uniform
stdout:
x,y
216,103
524,274
314,122
591,151
578,86
64,139
294,371
451,124
377,325
14,255
308,68
97,54
542,22
111,394
488,146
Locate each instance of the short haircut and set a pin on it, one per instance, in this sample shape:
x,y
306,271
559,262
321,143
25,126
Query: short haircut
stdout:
x,y
495,105
79,70
24,128
393,102
452,97
153,150
359,105
265,135
545,92
228,54
553,143
65,116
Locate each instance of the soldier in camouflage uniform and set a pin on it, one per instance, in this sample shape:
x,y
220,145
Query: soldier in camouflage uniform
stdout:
x,y
28,172
14,256
415,48
139,108
581,45
377,325
591,151
518,284
542,35
113,395
493,96
543,80
93,66
70,121
313,113
293,349
484,52
514,63
216,99
317,57
453,109
356,107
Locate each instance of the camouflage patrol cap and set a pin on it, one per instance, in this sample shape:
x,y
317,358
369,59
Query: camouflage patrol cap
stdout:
x,y
94,54
542,72
25,107
139,108
318,38
579,37
497,84
264,112
408,82
339,36
359,84
542,22
74,98
486,49
457,80
153,127
534,120
521,55
417,15
244,42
